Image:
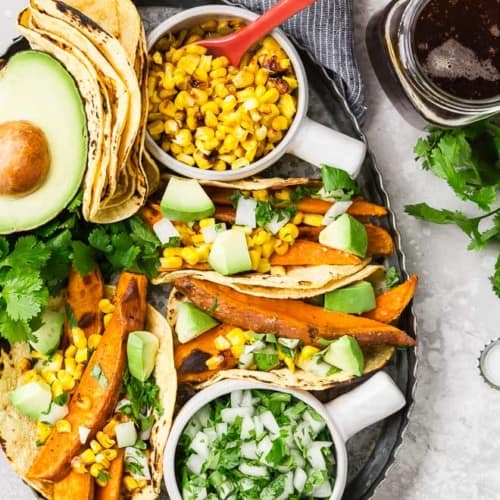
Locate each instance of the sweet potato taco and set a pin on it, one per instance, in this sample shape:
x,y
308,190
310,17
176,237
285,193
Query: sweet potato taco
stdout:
x,y
285,249
222,333
86,413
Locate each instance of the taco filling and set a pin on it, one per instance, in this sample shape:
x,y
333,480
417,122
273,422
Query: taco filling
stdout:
x,y
270,228
88,395
222,333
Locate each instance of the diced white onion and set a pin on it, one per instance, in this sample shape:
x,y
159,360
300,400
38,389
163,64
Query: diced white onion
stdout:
x,y
83,433
229,414
56,413
315,456
270,422
247,426
264,447
165,230
316,425
195,463
245,361
249,450
221,428
135,456
253,470
126,434
338,208
245,212
247,399
200,444
324,490
236,398
275,225
299,479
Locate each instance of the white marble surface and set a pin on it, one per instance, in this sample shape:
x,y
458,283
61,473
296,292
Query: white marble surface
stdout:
x,y
451,448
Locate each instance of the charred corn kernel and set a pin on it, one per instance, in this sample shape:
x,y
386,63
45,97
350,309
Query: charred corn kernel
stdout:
x,y
88,457
278,271
82,355
130,483
220,62
240,163
281,247
288,233
221,343
70,351
267,249
229,103
171,127
236,336
67,380
261,133
48,375
187,159
95,446
24,364
176,149
63,426
210,107
110,427
218,73
183,100
203,252
315,220
207,222
205,133
30,376
255,256
282,195
106,320
220,165
79,371
274,135
183,138
308,352
83,402
100,458
70,364
221,90
287,106
37,355
110,454
157,58
79,339
261,236
200,96
243,78
264,266
211,119
188,63
156,127
280,123
44,431
230,143
261,76
56,361
104,440
190,255
201,160
271,96
298,218
260,195
214,362
93,340
96,469
57,388
198,239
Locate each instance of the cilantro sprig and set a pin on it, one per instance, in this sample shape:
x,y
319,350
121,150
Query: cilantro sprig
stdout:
x,y
468,159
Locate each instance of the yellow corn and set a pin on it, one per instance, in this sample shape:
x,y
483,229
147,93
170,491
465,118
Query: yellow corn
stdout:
x,y
70,351
79,339
267,249
315,220
281,247
236,336
298,218
243,78
255,256
63,426
93,340
24,364
106,306
48,375
96,469
107,319
203,252
102,480
88,457
37,355
214,362
221,343
280,123
95,446
271,96
264,266
288,233
44,431
290,363
104,440
188,63
100,458
57,388
83,402
308,352
278,271
261,236
130,483
198,239
190,256
240,163
79,371
206,222
260,195
70,365
110,427
82,355
110,454
67,381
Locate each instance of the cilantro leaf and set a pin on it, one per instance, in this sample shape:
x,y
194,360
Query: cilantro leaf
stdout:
x,y
302,191
13,331
28,252
495,279
83,258
392,277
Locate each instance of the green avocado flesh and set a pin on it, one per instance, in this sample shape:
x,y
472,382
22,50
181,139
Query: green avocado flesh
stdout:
x,y
229,253
192,322
353,299
346,355
345,233
32,399
185,200
35,87
142,348
48,336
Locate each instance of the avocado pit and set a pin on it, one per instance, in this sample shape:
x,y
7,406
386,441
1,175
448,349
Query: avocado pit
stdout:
x,y
24,158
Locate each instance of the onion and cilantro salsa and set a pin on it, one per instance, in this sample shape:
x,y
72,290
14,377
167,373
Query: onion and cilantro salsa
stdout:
x,y
256,445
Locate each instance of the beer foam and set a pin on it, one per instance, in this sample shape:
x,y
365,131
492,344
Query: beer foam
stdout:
x,y
453,60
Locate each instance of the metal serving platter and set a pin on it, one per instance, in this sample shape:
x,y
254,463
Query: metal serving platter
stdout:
x,y
372,451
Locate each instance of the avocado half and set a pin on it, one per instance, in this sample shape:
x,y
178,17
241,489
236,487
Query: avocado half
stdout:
x,y
35,87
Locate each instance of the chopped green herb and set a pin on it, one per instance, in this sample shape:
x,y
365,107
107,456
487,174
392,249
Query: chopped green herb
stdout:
x,y
300,192
61,399
392,277
173,242
70,316
213,306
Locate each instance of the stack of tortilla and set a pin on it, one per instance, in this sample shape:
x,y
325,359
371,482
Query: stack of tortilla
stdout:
x,y
103,46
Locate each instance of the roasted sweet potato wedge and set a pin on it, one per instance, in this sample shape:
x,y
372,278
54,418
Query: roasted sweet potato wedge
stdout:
x,y
379,241
113,487
83,296
392,303
75,485
287,318
311,253
101,382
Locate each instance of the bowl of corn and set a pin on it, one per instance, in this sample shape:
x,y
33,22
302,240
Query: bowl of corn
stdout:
x,y
210,120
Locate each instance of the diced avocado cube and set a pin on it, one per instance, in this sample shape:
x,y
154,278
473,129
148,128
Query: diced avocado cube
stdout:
x,y
192,322
185,200
229,253
345,233
353,299
48,336
346,355
32,399
142,348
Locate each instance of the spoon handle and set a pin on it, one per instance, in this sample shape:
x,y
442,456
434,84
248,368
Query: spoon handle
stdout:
x,y
272,18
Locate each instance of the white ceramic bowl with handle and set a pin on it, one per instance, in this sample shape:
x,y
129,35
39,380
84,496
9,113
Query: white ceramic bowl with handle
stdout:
x,y
374,400
306,139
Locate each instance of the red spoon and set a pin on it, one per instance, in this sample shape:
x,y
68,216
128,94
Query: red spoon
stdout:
x,y
235,45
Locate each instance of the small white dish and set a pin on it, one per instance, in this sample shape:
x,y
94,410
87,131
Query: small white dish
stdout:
x,y
306,139
345,416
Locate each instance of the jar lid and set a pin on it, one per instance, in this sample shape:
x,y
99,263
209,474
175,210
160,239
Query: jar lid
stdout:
x,y
489,364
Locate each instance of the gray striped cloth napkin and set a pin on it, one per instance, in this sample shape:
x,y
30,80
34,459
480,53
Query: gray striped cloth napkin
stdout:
x,y
325,29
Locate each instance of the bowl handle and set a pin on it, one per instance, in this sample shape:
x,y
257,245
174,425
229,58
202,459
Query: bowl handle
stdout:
x,y
320,145
374,400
